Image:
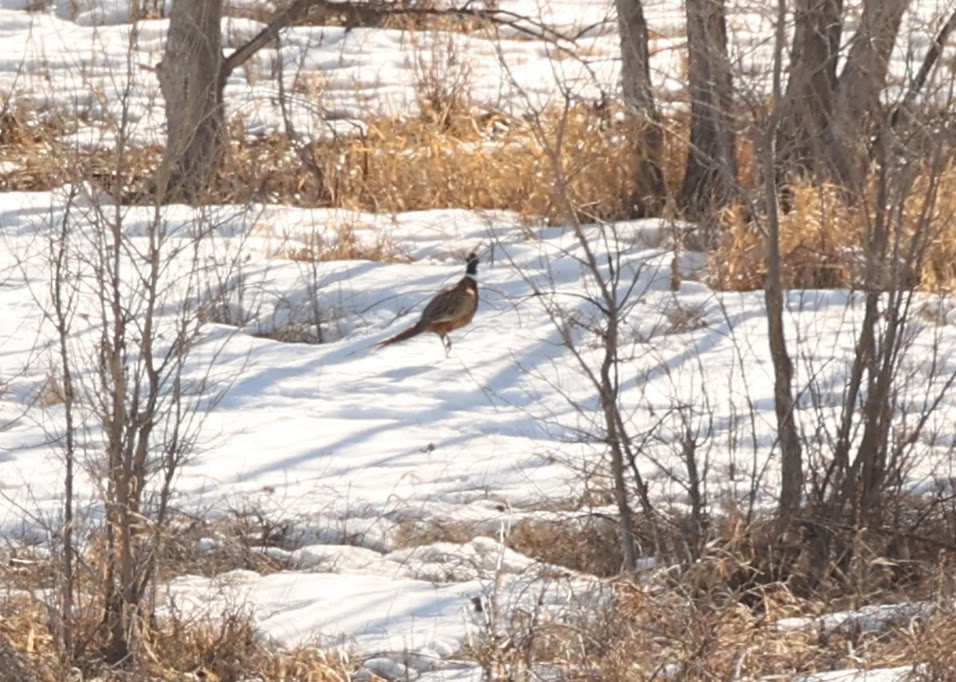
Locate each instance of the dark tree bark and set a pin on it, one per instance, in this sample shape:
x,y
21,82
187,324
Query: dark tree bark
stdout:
x,y
639,102
829,120
192,78
788,434
857,111
711,177
811,87
635,58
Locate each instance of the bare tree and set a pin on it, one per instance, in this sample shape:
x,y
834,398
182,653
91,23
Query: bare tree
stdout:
x,y
711,177
133,395
132,398
640,104
837,480
879,428
811,86
194,71
857,111
192,76
60,313
930,63
612,290
830,120
791,456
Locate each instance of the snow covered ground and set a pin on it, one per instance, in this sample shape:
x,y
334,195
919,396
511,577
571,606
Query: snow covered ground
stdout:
x,y
357,445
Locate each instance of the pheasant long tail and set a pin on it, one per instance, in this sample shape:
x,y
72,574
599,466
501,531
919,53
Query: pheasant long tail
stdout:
x,y
402,336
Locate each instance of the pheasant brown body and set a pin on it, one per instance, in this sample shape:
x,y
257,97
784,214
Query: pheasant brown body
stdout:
x,y
450,309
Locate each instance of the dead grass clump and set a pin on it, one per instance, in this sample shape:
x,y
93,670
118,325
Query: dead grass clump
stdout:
x,y
417,533
343,242
174,645
820,241
716,637
400,15
224,647
490,162
12,663
934,207
27,568
229,647
50,393
38,153
26,645
404,15
586,544
666,628
30,156
443,81
449,155
452,155
932,642
241,539
862,566
824,239
693,640
268,169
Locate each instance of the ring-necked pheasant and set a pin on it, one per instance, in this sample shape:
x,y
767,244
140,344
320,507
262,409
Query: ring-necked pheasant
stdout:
x,y
450,309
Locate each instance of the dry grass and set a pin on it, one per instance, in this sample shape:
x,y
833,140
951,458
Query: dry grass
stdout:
x,y
50,393
228,647
588,544
448,158
649,633
455,154
237,540
402,15
648,630
194,545
224,647
823,239
36,154
720,618
819,243
715,618
342,242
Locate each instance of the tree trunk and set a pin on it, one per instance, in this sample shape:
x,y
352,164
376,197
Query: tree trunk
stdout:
x,y
639,103
791,455
192,78
711,177
930,62
810,89
791,452
857,110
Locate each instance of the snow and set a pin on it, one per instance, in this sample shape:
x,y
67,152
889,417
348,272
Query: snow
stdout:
x,y
867,619
380,613
900,673
357,445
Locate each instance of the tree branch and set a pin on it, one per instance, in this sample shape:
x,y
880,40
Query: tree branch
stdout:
x,y
269,34
929,62
383,10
